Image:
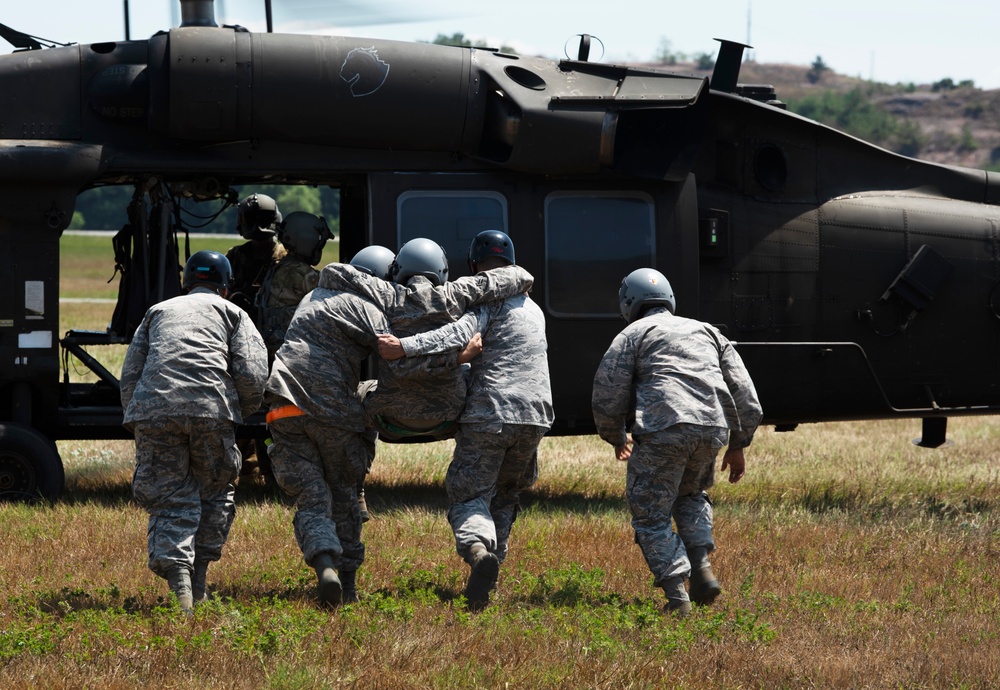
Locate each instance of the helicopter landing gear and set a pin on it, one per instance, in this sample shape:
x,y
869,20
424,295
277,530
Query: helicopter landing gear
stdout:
x,y
30,466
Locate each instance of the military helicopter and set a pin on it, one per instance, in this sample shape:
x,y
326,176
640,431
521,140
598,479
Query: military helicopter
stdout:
x,y
857,283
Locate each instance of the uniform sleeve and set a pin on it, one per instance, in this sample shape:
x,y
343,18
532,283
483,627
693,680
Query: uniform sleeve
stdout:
x,y
248,364
488,286
448,338
612,395
748,411
135,362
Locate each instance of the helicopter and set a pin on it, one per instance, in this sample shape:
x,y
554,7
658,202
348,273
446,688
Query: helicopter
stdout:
x,y
856,283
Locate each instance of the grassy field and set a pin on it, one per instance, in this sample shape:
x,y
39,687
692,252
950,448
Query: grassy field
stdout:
x,y
849,558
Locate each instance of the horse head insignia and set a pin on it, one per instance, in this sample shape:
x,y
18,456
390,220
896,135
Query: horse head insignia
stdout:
x,y
364,71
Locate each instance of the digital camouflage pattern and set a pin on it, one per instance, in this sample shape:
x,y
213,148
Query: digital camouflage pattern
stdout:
x,y
184,473
680,371
485,479
424,391
196,366
509,382
319,467
689,393
668,475
318,366
508,409
285,284
196,355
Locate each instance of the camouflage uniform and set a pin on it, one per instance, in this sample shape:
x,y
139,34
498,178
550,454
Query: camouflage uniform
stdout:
x,y
689,391
195,368
508,409
319,456
250,262
423,393
283,287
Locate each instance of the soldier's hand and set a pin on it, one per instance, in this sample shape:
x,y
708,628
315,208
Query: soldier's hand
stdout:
x,y
623,453
389,347
472,350
734,460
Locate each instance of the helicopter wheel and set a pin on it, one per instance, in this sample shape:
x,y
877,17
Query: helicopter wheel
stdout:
x,y
30,466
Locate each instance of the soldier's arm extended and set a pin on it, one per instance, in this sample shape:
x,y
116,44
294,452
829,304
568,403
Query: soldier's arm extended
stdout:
x,y
498,283
448,338
135,362
612,394
748,411
248,364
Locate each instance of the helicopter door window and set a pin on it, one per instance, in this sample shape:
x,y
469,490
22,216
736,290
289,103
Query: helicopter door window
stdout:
x,y
593,240
452,219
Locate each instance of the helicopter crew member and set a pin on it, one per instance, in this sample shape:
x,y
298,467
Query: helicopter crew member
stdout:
x,y
508,409
317,422
195,368
689,394
257,216
285,283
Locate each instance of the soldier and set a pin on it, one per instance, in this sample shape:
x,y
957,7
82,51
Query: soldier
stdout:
x,y
423,396
196,366
508,409
689,393
316,419
286,282
256,218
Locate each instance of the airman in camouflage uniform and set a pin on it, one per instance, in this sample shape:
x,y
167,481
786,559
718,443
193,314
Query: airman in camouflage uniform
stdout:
x,y
422,396
508,409
689,393
317,421
195,368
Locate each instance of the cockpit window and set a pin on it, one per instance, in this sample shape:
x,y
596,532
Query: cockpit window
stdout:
x,y
592,241
452,219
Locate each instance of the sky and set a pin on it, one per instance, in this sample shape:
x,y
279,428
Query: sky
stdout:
x,y
885,40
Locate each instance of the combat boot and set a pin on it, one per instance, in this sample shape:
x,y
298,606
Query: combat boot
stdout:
x,y
482,578
330,591
704,587
179,580
349,594
199,581
678,602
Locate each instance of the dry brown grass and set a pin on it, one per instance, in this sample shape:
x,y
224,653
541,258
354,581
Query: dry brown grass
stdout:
x,y
849,558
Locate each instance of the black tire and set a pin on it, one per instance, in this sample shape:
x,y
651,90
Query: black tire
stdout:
x,y
30,466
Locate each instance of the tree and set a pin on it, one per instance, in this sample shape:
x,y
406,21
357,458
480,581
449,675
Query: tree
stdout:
x,y
817,69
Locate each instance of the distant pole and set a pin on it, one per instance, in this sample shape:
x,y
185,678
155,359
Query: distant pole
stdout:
x,y
871,69
749,55
128,29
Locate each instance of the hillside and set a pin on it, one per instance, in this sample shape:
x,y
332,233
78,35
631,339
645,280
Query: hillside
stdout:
x,y
958,126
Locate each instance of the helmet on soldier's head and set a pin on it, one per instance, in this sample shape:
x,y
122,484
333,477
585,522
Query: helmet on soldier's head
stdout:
x,y
256,217
304,235
490,243
644,287
207,268
420,257
375,260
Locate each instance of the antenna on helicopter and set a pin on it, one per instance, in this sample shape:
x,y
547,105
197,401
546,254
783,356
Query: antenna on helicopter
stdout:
x,y
23,41
583,50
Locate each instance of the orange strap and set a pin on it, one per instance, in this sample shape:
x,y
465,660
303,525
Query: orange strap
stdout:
x,y
282,412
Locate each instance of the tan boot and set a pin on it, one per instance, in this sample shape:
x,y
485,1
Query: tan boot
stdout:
x,y
179,580
329,588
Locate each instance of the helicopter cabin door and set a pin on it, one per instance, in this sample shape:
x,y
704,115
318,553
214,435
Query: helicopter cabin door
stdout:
x,y
578,238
